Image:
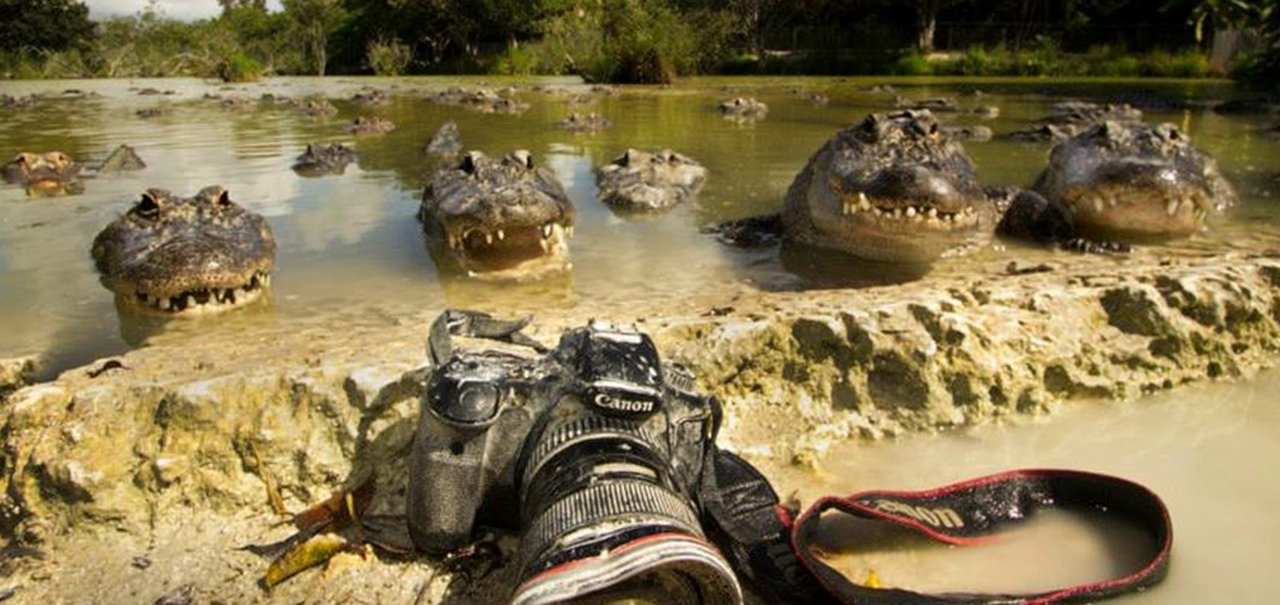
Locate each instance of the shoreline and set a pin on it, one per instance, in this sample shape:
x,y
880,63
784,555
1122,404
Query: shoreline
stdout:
x,y
176,456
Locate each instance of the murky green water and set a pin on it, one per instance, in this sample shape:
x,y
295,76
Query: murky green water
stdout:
x,y
1208,451
350,242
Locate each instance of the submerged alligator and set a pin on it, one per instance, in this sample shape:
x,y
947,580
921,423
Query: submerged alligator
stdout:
x,y
642,181
896,188
374,125
122,159
446,142
499,218
319,160
185,256
39,171
1070,118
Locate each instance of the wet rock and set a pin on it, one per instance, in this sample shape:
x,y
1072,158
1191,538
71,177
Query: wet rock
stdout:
x,y
16,373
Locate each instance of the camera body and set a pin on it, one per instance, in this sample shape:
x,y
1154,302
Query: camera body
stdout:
x,y
596,442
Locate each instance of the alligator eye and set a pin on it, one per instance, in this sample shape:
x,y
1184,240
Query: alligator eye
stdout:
x,y
523,157
224,199
148,207
469,162
624,160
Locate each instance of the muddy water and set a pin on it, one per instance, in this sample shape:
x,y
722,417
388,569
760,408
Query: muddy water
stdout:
x,y
1208,451
349,244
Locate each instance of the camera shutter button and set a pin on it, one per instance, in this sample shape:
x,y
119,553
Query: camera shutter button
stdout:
x,y
476,402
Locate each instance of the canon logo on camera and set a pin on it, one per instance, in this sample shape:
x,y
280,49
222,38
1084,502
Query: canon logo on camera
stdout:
x,y
625,405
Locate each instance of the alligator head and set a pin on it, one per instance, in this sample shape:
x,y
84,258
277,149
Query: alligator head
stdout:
x,y
186,255
893,188
500,218
639,180
1130,180
49,170
319,160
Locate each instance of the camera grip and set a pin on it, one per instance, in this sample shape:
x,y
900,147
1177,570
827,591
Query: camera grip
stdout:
x,y
446,486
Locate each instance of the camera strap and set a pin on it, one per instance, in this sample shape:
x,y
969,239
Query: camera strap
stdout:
x,y
776,548
474,324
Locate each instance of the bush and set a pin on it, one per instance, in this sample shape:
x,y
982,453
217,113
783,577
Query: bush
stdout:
x,y
914,64
631,41
516,61
1187,64
239,67
388,57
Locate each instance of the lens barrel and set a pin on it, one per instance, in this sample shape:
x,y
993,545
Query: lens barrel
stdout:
x,y
605,519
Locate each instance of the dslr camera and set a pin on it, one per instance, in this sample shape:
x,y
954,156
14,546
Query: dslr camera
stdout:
x,y
594,450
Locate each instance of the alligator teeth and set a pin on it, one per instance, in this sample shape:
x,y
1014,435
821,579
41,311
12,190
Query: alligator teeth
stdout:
x,y
911,212
1097,205
488,239
1172,207
162,304
932,213
863,203
568,231
501,235
546,231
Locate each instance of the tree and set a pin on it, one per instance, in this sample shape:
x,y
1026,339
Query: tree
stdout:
x,y
314,21
927,22
230,5
44,25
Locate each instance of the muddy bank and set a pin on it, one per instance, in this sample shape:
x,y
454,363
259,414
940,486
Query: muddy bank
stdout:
x,y
147,471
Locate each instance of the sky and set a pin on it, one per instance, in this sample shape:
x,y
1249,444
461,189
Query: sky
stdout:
x,y
186,10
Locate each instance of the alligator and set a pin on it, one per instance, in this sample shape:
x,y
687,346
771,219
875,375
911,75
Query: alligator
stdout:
x,y
482,100
891,188
1070,118
41,171
895,188
498,218
319,160
585,122
363,125
642,181
1128,182
446,142
968,132
371,98
122,159
186,256
743,109
945,105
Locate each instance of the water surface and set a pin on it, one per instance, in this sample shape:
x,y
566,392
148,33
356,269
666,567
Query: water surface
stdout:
x,y
351,242
1208,451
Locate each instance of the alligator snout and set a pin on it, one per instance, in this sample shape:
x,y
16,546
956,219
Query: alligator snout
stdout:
x,y
918,185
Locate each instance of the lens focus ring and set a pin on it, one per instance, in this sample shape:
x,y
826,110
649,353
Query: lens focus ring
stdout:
x,y
642,503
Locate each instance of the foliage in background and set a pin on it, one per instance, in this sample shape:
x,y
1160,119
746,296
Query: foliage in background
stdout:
x,y
389,57
638,40
629,41
43,25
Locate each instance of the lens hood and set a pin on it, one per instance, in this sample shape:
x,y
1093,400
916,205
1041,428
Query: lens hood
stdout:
x,y
666,568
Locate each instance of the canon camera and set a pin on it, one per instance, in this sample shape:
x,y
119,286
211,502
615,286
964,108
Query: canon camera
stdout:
x,y
594,451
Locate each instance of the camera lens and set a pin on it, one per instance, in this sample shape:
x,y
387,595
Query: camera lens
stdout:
x,y
606,521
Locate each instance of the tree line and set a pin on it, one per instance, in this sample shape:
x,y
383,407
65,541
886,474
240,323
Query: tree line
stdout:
x,y
625,40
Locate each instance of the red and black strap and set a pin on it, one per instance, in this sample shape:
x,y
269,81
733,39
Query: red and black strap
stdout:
x,y
777,555
973,511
